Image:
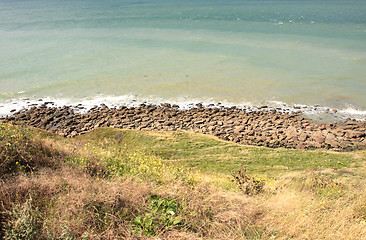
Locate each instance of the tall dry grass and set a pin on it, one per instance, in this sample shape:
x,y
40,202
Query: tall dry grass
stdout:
x,y
307,215
73,205
56,198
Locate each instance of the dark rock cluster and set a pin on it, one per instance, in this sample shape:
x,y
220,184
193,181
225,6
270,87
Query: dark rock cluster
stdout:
x,y
262,128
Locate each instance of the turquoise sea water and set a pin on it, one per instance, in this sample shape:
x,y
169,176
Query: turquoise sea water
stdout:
x,y
237,52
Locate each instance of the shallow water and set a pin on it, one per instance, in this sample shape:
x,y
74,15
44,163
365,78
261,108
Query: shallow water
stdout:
x,y
254,53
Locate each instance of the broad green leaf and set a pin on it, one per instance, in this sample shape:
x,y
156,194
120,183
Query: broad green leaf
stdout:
x,y
176,221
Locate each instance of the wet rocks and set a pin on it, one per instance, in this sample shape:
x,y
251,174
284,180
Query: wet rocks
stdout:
x,y
264,127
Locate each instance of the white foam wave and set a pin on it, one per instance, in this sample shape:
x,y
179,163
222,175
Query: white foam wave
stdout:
x,y
7,107
353,111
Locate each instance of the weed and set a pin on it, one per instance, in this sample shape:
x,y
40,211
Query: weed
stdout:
x,y
23,222
148,167
249,184
161,215
191,179
66,234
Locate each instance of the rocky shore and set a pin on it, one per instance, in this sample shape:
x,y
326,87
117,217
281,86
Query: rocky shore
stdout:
x,y
264,127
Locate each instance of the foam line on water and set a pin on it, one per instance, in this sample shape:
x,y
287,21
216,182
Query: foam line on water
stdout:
x,y
7,107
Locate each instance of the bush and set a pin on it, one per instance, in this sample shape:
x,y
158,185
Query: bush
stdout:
x,y
249,184
91,165
19,152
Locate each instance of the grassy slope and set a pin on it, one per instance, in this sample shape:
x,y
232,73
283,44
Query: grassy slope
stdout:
x,y
209,155
308,193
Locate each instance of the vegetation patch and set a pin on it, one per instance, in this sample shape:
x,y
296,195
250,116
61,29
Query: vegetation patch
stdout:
x,y
323,185
23,222
20,152
117,184
360,211
249,184
160,216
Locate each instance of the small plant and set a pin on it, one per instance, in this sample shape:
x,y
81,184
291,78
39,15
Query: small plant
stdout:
x,y
249,184
323,185
160,216
22,222
66,234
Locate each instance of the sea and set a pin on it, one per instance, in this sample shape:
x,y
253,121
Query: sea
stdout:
x,y
307,55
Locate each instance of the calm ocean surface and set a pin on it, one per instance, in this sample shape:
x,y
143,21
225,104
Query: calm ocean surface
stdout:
x,y
237,52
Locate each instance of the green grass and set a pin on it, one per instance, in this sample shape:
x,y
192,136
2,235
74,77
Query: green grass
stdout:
x,y
207,154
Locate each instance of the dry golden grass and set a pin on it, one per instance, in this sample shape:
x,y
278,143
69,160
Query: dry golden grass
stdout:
x,y
308,215
75,205
73,202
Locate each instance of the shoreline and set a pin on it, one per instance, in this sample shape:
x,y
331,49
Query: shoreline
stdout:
x,y
263,126
318,113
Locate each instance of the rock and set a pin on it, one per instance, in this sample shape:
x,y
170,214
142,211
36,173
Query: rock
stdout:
x,y
246,126
238,130
211,128
73,134
300,146
291,133
355,134
319,139
330,136
303,137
